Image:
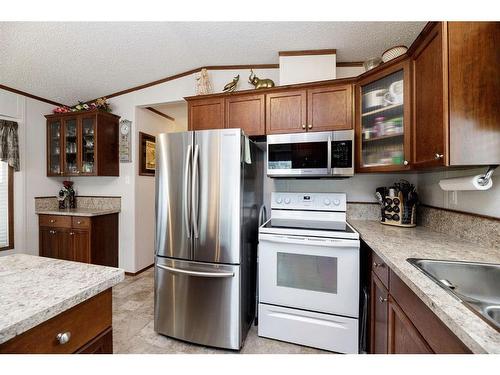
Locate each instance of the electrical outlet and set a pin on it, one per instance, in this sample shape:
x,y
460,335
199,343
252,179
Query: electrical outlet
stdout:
x,y
453,198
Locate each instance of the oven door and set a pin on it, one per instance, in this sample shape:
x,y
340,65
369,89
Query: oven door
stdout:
x,y
310,273
299,155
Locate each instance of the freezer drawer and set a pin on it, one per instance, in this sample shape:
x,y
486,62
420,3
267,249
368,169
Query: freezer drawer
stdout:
x,y
198,302
323,331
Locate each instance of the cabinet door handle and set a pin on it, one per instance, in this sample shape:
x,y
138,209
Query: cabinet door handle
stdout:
x,y
63,337
382,299
78,222
405,162
71,233
52,232
309,126
303,126
52,221
377,265
438,156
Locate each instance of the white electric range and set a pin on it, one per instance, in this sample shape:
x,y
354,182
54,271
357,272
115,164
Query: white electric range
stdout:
x,y
309,272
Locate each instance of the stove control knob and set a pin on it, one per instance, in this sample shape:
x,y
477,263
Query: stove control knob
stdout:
x,y
287,200
279,200
336,202
326,202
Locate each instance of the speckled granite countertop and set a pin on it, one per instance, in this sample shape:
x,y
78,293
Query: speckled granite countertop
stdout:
x,y
79,212
34,289
394,245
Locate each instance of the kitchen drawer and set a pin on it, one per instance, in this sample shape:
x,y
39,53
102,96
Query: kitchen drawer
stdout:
x,y
81,222
380,269
84,322
56,221
324,331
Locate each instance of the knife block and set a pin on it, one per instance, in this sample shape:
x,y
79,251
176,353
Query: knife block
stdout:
x,y
397,213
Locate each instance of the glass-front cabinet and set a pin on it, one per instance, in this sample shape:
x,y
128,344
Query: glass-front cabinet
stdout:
x,y
383,119
82,144
88,143
70,131
54,157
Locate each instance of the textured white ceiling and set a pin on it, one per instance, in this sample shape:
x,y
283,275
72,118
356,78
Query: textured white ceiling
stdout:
x,y
66,62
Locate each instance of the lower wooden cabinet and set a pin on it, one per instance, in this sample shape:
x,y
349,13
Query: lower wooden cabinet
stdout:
x,y
102,344
403,337
82,239
379,316
85,328
400,323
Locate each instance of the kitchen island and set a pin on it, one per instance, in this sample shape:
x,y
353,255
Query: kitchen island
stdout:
x,y
55,306
391,247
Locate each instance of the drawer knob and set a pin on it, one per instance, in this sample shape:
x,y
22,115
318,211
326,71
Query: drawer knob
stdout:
x,y
71,233
382,299
52,221
438,156
52,232
309,126
377,265
63,338
78,222
303,126
405,162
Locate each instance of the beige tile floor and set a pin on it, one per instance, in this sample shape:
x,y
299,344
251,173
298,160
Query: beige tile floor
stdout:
x,y
133,326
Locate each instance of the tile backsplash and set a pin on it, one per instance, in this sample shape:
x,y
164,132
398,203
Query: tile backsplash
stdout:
x,y
473,228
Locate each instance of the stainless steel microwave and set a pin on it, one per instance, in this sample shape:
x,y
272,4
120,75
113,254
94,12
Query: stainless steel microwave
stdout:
x,y
318,154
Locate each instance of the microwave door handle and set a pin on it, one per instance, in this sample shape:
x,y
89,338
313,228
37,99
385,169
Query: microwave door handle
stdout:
x,y
187,195
195,192
329,155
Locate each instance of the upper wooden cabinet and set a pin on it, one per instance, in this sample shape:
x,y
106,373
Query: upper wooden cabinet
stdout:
x,y
246,112
82,144
430,115
286,111
291,109
330,108
456,94
204,114
383,128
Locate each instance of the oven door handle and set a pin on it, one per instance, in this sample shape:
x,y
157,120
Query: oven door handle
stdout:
x,y
309,241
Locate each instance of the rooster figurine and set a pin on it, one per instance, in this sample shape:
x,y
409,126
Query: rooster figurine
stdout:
x,y
231,86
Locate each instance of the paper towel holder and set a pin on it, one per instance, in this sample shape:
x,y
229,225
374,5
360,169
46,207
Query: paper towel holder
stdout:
x,y
484,180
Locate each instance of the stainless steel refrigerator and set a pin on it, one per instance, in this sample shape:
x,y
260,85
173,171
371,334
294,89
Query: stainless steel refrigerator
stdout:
x,y
208,196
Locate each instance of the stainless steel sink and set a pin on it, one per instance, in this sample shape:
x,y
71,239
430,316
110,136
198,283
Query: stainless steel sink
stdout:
x,y
477,285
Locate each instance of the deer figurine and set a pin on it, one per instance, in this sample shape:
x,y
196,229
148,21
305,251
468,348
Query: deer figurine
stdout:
x,y
259,83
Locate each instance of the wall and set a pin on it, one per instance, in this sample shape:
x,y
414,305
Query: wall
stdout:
x,y
349,71
31,180
479,202
144,227
179,112
306,68
359,188
133,259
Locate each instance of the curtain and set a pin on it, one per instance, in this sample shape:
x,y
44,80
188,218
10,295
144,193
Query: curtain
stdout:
x,y
9,143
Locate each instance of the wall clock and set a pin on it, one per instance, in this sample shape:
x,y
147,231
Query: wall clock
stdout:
x,y
125,141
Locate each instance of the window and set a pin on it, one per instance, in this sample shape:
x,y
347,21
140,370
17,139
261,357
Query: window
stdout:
x,y
6,207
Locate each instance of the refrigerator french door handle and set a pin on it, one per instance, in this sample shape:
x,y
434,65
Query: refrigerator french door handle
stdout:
x,y
195,193
187,196
196,273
